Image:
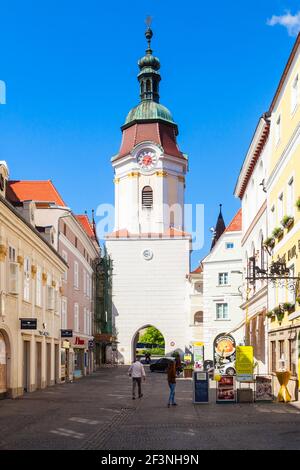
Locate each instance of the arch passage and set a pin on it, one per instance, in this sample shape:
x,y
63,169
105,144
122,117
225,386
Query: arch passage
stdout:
x,y
148,339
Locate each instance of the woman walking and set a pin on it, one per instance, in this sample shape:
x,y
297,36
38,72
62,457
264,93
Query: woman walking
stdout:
x,y
172,383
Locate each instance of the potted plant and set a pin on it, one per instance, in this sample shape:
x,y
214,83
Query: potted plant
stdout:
x,y
287,221
298,203
277,232
279,312
288,307
270,314
269,242
188,371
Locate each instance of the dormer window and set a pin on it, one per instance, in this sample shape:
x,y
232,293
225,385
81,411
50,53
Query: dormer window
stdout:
x,y
147,197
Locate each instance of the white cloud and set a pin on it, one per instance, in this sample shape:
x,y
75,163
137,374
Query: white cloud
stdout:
x,y
289,21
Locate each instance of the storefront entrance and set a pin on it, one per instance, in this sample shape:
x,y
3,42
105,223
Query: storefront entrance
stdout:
x,y
3,367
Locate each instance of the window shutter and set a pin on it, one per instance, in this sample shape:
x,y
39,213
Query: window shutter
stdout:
x,y
13,278
147,197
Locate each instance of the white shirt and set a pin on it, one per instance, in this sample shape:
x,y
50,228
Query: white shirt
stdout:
x,y
137,370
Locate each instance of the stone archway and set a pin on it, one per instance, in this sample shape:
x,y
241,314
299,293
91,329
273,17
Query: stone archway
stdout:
x,y
4,364
135,341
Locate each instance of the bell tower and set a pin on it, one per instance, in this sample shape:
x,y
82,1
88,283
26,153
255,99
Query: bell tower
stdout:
x,y
149,248
149,168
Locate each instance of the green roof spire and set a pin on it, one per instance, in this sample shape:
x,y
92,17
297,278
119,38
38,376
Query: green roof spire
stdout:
x,y
149,76
149,108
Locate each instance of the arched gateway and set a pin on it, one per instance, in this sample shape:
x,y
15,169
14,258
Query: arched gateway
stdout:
x,y
139,344
149,247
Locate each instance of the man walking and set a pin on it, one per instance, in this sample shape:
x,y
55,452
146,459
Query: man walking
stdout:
x,y
137,372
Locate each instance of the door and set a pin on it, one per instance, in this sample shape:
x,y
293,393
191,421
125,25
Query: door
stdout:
x,y
3,366
26,366
48,362
38,369
56,370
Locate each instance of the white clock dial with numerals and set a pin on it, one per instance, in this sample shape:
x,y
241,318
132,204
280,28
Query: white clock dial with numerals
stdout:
x,y
147,159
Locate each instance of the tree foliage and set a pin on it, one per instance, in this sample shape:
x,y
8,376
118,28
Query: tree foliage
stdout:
x,y
152,336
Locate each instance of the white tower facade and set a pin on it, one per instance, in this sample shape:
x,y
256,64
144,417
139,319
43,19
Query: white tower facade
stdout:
x,y
149,247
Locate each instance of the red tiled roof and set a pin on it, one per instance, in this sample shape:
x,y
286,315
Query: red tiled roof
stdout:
x,y
236,223
42,191
160,133
199,270
86,224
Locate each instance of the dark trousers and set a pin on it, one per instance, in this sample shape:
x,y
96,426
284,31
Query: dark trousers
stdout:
x,y
137,382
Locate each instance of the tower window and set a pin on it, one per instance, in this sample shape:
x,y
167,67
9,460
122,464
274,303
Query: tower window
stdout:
x,y
147,197
148,85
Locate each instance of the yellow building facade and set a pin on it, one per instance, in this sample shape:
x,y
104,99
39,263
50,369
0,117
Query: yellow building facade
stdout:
x,y
283,207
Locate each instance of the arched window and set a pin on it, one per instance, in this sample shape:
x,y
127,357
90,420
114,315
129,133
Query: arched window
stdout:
x,y
148,85
147,197
198,318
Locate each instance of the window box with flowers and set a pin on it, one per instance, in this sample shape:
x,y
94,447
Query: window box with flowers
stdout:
x,y
298,300
278,232
270,314
287,221
279,313
288,307
269,242
298,203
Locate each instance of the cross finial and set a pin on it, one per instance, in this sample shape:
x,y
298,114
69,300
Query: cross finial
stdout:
x,y
149,33
149,21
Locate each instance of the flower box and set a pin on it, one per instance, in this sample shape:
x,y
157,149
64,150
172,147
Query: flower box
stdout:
x,y
277,232
287,221
269,242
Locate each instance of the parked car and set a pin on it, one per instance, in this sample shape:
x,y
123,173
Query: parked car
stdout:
x,y
161,365
228,369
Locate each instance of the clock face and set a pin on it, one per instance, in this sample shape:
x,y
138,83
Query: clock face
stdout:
x,y
147,159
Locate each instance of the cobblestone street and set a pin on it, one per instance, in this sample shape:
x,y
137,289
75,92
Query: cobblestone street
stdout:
x,y
98,413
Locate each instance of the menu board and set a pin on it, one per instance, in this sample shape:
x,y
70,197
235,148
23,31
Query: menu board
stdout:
x,y
244,363
263,388
226,390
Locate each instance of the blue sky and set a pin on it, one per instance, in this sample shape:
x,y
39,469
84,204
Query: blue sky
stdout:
x,y
70,69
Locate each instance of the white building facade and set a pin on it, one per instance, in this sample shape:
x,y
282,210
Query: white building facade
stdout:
x,y
222,284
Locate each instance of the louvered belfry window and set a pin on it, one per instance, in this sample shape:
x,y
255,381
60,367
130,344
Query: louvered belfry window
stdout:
x,y
147,197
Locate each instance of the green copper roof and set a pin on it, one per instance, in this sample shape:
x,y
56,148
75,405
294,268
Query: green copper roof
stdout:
x,y
148,110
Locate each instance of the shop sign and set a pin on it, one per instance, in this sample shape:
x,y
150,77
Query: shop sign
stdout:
x,y
244,363
224,351
226,390
187,358
263,388
28,324
199,356
91,344
63,371
66,333
66,345
79,341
